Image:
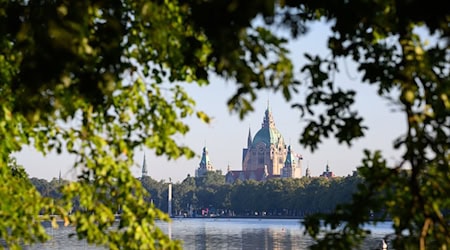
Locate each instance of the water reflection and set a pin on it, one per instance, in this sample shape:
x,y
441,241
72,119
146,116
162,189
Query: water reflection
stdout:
x,y
238,234
203,234
61,240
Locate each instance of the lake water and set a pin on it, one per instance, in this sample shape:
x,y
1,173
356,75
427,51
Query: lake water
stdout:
x,y
222,233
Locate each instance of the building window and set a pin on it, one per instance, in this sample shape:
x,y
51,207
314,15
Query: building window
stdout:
x,y
261,150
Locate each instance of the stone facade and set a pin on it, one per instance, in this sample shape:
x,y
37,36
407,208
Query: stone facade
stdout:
x,y
267,155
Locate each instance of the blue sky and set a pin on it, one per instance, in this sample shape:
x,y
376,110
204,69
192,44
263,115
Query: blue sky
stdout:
x,y
226,136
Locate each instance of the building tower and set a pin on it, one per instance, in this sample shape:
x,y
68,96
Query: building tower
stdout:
x,y
267,148
249,144
144,168
266,155
292,167
327,173
308,172
249,138
204,165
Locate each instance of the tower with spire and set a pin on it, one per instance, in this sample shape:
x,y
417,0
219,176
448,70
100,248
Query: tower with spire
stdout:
x,y
308,172
266,154
266,148
327,173
292,166
205,164
144,168
249,138
249,144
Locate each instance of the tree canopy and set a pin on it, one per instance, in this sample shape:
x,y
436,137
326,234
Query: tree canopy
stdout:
x,y
100,79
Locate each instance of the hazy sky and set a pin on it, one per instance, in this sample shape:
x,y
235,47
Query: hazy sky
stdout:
x,y
226,136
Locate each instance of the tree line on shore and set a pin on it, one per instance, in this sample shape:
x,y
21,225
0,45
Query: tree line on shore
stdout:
x,y
212,196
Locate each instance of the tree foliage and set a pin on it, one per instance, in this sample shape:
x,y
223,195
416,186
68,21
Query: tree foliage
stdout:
x,y
100,79
285,197
383,39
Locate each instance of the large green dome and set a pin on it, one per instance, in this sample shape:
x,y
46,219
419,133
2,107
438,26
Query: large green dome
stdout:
x,y
268,134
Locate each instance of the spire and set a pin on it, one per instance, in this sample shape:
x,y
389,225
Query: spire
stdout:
x,y
327,173
307,171
204,165
249,139
290,160
268,121
59,178
204,162
144,167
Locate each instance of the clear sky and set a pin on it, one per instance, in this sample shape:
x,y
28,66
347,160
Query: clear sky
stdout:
x,y
226,136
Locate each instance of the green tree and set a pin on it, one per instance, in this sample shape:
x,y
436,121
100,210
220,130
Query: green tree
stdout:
x,y
383,38
156,191
272,194
210,179
42,186
20,206
185,194
100,79
247,197
222,199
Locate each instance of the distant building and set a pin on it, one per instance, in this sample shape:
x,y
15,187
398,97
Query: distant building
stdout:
x,y
292,165
327,173
266,155
144,168
308,172
205,164
260,174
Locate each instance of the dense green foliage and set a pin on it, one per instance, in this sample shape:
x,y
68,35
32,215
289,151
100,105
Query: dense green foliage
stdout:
x,y
100,79
276,197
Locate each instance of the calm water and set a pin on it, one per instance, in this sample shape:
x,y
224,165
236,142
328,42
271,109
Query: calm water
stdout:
x,y
203,234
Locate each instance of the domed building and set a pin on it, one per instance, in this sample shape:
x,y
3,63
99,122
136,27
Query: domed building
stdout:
x,y
267,155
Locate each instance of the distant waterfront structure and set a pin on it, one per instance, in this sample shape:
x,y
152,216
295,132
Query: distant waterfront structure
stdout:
x,y
267,155
144,168
327,173
205,164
